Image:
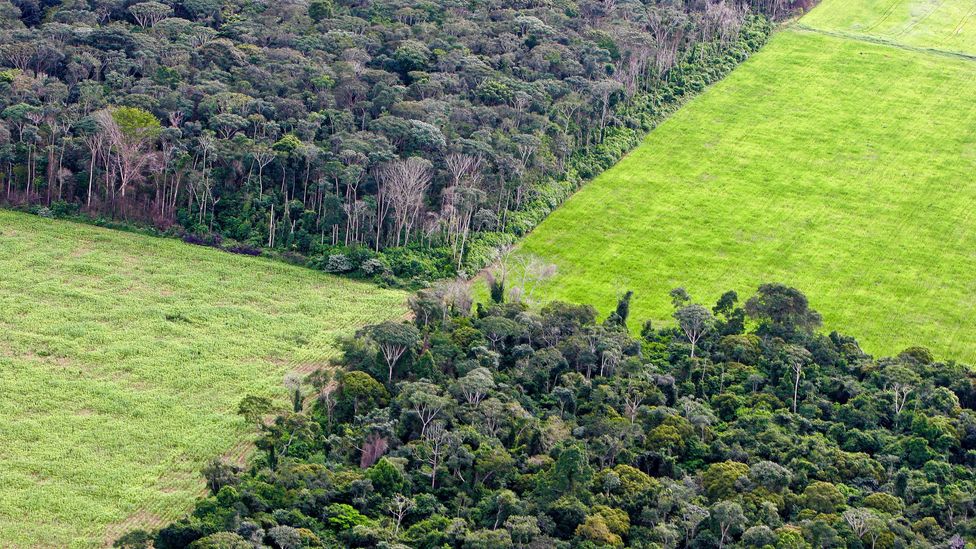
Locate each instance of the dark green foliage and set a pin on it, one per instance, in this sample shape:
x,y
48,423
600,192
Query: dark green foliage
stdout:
x,y
545,428
276,125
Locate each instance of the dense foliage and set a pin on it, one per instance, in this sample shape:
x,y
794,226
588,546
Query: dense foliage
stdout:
x,y
742,426
336,129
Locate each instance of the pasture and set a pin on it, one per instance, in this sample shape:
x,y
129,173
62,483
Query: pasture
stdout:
x,y
947,25
839,166
122,361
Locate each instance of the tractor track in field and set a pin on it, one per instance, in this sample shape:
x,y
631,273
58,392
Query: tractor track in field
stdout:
x,y
885,42
884,15
911,26
958,28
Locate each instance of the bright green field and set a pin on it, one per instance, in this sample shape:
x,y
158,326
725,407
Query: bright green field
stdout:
x,y
948,25
122,360
842,167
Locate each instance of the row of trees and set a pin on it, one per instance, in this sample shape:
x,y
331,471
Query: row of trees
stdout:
x,y
327,125
501,426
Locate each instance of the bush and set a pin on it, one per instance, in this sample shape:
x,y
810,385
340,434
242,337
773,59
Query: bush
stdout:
x,y
243,249
208,239
338,263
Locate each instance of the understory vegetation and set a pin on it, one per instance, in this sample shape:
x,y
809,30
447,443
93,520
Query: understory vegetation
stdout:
x,y
334,130
743,426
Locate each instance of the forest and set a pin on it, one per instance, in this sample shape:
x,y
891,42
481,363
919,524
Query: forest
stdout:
x,y
390,140
491,426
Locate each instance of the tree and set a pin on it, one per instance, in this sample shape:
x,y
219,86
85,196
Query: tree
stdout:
x,y
822,497
770,475
254,408
425,400
623,308
595,529
398,507
402,184
796,358
900,380
360,389
431,448
221,540
572,472
499,328
858,518
728,516
523,529
475,385
782,311
130,132
695,321
293,382
394,339
719,480
532,271
147,14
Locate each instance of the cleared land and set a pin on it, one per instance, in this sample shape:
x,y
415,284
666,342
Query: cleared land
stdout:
x,y
842,167
947,25
122,360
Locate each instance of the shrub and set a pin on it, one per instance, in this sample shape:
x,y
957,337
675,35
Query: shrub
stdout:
x,y
338,263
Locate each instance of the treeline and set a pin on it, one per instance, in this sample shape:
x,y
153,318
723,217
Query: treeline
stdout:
x,y
337,129
742,426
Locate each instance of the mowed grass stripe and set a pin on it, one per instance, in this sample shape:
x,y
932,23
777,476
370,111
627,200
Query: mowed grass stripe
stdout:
x,y
948,25
841,167
122,360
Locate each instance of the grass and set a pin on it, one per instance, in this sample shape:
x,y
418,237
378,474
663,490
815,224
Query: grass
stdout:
x,y
122,360
948,25
838,166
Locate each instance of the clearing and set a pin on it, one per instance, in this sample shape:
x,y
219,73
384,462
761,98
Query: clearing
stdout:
x,y
945,25
122,360
839,166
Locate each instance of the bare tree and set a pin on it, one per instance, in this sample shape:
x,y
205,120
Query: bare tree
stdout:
x,y
96,143
130,142
327,396
667,28
373,447
857,518
398,507
262,155
432,447
402,184
797,357
461,199
532,271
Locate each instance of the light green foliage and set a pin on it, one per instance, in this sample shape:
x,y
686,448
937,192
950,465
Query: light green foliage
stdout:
x,y
947,25
123,360
814,164
136,124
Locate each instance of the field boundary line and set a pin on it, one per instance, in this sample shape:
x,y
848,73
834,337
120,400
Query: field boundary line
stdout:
x,y
884,42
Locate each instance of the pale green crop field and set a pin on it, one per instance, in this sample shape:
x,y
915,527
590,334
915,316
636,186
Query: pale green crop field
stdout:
x,y
842,167
122,360
948,25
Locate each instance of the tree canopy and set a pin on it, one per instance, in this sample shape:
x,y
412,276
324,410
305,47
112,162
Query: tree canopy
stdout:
x,y
382,139
490,437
